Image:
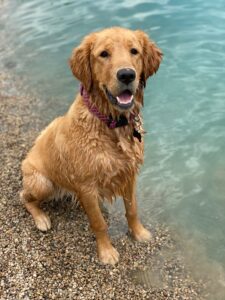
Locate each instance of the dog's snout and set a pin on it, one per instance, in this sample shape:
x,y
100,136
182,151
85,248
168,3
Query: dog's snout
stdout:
x,y
126,75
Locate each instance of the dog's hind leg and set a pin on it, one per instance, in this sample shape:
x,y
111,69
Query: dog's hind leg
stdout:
x,y
36,188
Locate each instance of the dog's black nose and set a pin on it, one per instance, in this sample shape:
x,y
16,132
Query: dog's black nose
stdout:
x,y
126,75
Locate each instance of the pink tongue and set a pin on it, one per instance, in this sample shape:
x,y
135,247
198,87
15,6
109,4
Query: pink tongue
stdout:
x,y
125,97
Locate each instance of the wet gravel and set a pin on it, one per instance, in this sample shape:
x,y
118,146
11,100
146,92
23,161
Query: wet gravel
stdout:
x,y
62,263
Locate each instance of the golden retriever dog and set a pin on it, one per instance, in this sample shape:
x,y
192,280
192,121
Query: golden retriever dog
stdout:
x,y
95,150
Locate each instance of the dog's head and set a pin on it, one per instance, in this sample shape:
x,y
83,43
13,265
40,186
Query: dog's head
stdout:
x,y
117,61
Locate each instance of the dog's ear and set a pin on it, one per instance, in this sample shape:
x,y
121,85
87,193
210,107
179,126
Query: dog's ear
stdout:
x,y
152,55
80,62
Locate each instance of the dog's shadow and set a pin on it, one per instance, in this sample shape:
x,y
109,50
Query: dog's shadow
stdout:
x,y
63,208
67,209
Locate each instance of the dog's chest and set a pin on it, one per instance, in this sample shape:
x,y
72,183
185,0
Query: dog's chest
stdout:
x,y
103,161
117,164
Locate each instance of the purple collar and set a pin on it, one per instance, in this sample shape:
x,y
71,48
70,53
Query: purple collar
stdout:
x,y
108,120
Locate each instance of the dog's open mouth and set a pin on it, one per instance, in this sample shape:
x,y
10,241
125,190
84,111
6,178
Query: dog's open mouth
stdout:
x,y
124,100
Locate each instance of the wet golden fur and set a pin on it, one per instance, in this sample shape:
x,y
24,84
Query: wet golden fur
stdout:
x,y
78,153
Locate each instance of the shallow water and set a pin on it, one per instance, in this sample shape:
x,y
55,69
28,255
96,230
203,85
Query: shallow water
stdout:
x,y
182,182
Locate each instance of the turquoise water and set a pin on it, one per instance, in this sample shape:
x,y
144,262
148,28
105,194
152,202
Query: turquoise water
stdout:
x,y
183,180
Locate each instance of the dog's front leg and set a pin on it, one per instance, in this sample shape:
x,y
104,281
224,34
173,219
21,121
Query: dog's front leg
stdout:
x,y
106,252
139,232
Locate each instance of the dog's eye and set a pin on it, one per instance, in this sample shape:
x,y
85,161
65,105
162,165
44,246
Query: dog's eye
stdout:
x,y
104,54
133,51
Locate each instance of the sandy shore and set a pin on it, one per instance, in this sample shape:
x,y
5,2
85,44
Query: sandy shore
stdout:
x,y
62,263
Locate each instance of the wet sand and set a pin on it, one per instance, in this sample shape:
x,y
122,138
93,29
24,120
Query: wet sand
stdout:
x,y
62,263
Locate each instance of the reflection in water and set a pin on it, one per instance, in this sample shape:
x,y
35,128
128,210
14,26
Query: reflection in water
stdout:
x,y
183,179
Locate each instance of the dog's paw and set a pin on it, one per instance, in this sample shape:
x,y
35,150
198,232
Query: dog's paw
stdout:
x,y
142,235
108,255
43,222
